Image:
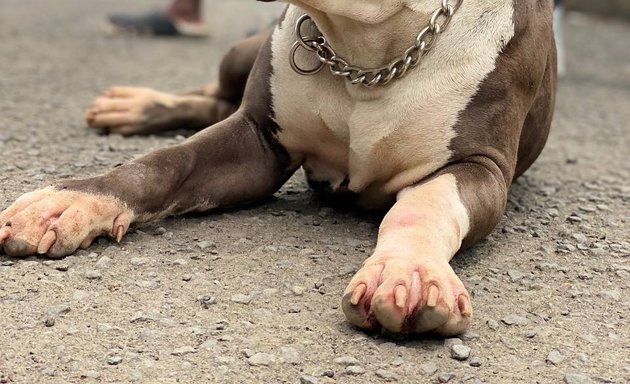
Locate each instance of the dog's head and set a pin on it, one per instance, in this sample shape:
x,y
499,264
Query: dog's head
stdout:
x,y
367,11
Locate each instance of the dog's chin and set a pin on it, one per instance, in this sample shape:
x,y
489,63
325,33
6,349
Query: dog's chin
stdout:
x,y
365,11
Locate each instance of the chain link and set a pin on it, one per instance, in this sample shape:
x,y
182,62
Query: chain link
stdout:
x,y
398,68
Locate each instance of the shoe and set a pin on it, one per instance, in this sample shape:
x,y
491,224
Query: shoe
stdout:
x,y
156,23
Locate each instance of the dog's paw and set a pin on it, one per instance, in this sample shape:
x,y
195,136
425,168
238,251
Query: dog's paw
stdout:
x,y
58,222
407,296
132,110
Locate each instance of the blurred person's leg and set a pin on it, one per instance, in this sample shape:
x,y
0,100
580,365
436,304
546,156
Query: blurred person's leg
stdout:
x,y
181,18
558,26
134,110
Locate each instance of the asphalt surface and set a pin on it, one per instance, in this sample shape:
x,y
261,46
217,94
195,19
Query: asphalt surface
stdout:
x,y
253,295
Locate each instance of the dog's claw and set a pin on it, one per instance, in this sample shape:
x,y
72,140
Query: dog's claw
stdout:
x,y
432,296
400,296
463,302
358,293
46,242
5,232
120,232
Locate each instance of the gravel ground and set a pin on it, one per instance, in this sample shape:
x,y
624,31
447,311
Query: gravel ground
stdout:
x,y
253,295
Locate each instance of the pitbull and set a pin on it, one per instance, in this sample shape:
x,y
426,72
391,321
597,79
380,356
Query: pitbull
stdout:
x,y
427,108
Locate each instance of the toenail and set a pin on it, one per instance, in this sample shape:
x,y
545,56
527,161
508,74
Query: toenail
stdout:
x,y
358,293
433,296
400,295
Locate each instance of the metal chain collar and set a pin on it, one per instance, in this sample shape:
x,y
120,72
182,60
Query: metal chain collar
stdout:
x,y
371,77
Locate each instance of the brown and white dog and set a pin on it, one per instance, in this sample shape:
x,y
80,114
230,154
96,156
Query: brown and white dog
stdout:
x,y
438,147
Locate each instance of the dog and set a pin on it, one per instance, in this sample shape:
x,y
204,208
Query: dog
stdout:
x,y
427,108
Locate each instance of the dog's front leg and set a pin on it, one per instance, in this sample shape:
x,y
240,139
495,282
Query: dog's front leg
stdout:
x,y
228,164
407,285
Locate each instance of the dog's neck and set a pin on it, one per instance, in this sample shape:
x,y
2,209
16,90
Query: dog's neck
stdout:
x,y
369,33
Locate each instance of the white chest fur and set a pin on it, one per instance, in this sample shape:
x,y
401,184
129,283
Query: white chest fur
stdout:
x,y
387,138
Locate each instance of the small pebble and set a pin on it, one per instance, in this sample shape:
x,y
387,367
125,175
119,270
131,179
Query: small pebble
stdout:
x,y
298,290
475,362
530,334
515,275
397,362
305,379
515,320
577,378
469,335
138,261
114,359
208,244
49,322
58,310
445,377
460,352
206,301
448,343
386,375
555,357
258,359
346,361
93,274
159,231
104,262
354,370
183,350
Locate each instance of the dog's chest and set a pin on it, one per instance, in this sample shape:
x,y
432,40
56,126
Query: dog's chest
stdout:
x,y
379,141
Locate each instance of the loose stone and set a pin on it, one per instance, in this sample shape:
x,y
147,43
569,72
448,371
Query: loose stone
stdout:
x,y
460,352
49,322
577,378
298,290
114,359
305,379
93,274
183,350
206,301
355,370
445,377
242,299
58,310
104,262
475,362
346,361
515,320
448,343
138,261
555,357
203,245
386,375
265,359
